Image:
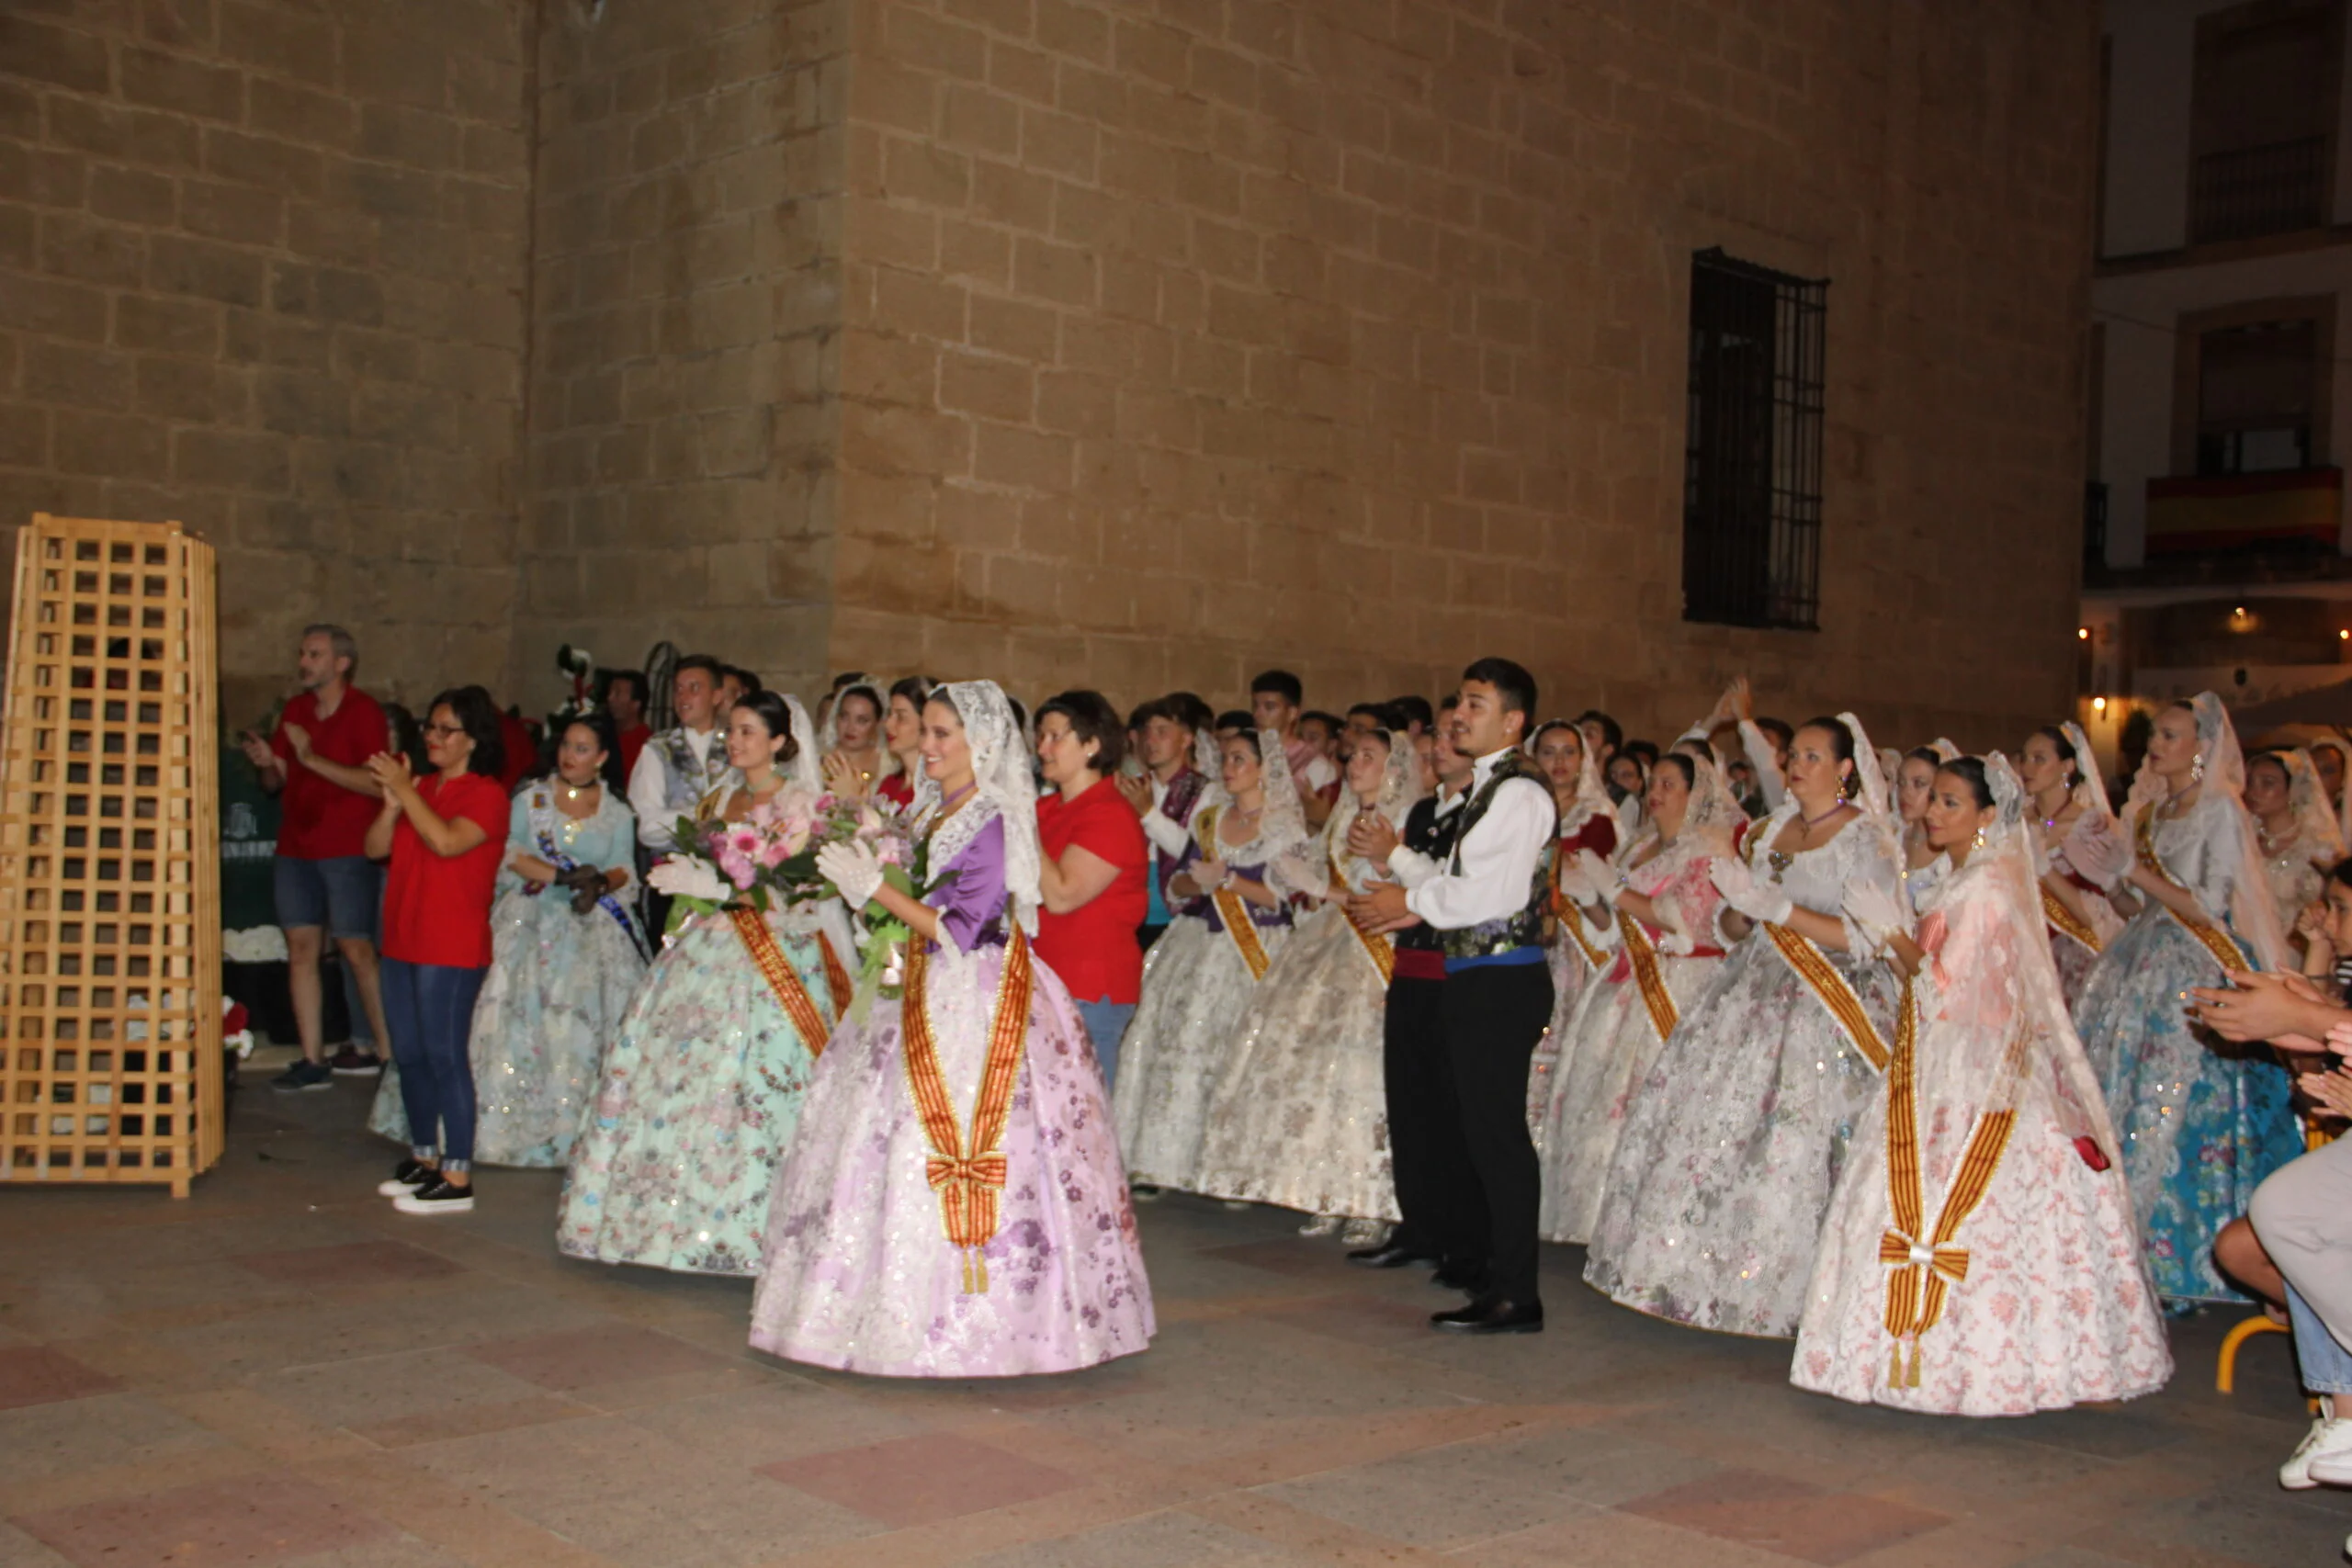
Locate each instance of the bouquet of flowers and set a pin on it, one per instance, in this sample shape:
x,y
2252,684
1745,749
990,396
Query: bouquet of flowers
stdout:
x,y
770,856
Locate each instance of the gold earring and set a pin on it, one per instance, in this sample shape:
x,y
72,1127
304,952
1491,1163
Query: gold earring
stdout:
x,y
1978,842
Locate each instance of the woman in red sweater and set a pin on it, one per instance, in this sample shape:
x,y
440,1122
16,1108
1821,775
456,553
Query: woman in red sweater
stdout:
x,y
1094,862
445,835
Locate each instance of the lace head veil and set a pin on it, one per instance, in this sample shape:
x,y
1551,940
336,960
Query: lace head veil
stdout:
x,y
805,773
1715,813
2342,749
2252,912
1995,1020
2317,834
1000,776
1592,794
873,694
2092,791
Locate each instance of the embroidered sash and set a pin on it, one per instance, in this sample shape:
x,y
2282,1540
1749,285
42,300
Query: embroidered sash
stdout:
x,y
605,901
2065,921
1813,966
1231,907
1571,918
1926,1264
2219,942
967,1175
1644,958
837,979
790,994
1381,949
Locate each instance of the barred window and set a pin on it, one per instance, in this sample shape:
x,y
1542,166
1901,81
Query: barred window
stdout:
x,y
1751,495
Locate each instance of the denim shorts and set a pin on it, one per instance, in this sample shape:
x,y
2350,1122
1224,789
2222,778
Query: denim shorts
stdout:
x,y
344,894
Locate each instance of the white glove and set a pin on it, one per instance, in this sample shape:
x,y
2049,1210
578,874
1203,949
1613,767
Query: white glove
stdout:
x,y
854,870
1575,886
683,876
1597,875
1758,900
1874,911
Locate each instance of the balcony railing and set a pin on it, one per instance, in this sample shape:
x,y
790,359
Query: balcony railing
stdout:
x,y
2297,509
2094,524
2273,189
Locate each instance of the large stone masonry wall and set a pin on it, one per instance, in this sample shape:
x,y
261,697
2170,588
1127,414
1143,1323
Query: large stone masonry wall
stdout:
x,y
686,315
261,270
1187,337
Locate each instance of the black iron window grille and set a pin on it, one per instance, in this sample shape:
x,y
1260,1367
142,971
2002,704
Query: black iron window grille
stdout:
x,y
1751,492
2276,189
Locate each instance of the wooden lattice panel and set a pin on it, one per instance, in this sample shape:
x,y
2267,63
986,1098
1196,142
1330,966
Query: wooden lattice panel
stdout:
x,y
110,859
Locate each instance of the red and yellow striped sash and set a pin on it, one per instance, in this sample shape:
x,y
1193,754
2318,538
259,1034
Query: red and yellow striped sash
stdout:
x,y
2065,922
1813,966
1926,1264
776,969
1234,910
1572,922
1381,949
1642,957
967,1175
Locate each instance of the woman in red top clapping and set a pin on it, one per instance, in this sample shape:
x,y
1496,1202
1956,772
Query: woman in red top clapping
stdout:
x,y
445,835
1094,862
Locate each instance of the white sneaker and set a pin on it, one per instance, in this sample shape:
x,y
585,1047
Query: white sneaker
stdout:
x,y
2323,1458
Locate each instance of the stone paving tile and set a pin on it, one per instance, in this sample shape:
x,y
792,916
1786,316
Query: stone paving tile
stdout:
x,y
18,1549
589,1357
258,1520
921,1480
44,1441
361,1265
33,1374
1784,1516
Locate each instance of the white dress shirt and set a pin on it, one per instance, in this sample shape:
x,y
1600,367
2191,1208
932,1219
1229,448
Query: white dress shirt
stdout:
x,y
1497,856
649,789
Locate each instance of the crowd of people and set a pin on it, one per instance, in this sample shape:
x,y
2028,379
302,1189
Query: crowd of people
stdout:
x,y
1880,1051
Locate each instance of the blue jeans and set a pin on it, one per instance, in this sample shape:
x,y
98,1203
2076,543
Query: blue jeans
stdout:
x,y
430,1009
1105,1022
2327,1366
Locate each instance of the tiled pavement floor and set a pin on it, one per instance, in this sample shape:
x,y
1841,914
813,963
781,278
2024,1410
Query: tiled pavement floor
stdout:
x,y
283,1371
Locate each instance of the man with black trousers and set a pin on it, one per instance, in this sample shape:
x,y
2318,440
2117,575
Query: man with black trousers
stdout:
x,y
1485,899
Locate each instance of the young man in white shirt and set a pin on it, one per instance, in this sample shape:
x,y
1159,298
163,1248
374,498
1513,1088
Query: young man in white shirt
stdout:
x,y
1487,899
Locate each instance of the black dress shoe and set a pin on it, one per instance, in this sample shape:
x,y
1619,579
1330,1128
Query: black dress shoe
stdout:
x,y
1492,1317
1387,1255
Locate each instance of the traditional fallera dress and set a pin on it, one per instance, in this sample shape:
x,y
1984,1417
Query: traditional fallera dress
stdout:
x,y
560,984
1300,1117
2296,862
1198,981
1609,1043
1725,1161
1980,1256
954,1204
1576,952
2201,1122
700,1090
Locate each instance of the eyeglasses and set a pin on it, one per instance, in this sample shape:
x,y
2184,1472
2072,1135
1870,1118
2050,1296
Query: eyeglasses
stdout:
x,y
444,730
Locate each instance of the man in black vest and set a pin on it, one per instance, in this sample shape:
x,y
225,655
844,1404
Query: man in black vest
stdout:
x,y
1485,899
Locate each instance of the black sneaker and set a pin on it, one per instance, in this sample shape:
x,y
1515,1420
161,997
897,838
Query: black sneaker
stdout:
x,y
352,1062
438,1198
407,1177
303,1076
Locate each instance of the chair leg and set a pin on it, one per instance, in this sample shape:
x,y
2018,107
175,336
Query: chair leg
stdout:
x,y
2225,1369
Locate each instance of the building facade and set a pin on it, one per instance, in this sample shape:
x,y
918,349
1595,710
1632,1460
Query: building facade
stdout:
x,y
1146,343
2218,537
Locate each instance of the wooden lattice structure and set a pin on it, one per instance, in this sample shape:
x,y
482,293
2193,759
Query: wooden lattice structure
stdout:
x,y
110,1061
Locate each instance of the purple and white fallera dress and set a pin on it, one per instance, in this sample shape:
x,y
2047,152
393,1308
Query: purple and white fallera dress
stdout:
x,y
861,1273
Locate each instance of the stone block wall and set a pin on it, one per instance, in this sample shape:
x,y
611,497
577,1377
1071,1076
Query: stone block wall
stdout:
x,y
262,270
1187,337
686,306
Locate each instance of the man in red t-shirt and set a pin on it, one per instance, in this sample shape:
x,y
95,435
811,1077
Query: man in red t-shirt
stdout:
x,y
316,762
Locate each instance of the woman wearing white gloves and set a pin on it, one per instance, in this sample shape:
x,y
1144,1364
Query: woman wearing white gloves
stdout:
x,y
699,1094
1714,1195
1659,919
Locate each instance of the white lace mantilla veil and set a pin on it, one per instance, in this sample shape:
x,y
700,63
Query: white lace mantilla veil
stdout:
x,y
832,738
1871,798
2250,912
1592,795
1303,872
2342,749
1002,776
2092,791
2315,827
2007,1013
1943,747
807,771
1281,824
1714,814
